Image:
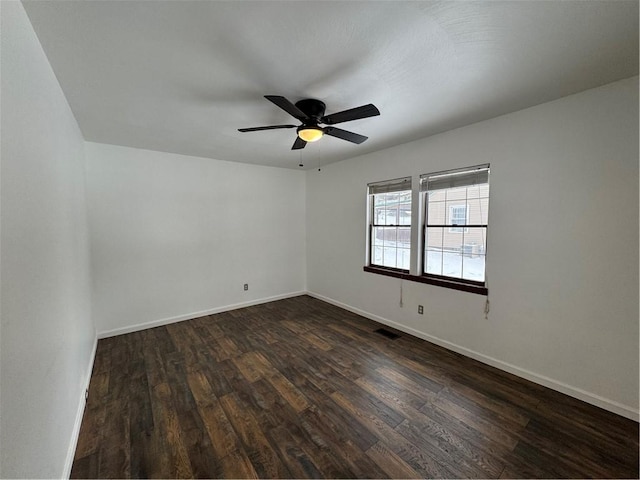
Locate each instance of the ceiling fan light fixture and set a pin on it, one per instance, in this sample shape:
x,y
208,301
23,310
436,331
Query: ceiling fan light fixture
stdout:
x,y
310,113
310,134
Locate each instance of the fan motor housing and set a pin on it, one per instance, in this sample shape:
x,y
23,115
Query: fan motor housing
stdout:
x,y
313,108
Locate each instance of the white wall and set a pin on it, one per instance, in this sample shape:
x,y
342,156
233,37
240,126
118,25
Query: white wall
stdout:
x,y
562,248
47,335
175,236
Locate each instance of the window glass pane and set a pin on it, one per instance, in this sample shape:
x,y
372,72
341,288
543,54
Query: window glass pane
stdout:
x,y
395,210
435,237
475,240
389,257
405,197
404,237
473,192
437,196
473,252
436,213
391,208
452,263
376,255
458,193
473,267
390,214
478,191
452,238
404,258
390,236
379,215
404,214
433,261
377,236
478,211
434,250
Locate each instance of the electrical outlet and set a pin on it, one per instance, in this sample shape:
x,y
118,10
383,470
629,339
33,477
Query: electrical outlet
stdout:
x,y
420,309
246,287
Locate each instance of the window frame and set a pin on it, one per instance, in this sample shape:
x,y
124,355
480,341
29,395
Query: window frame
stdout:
x,y
424,194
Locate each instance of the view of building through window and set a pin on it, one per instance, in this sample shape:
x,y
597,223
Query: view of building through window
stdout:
x,y
452,250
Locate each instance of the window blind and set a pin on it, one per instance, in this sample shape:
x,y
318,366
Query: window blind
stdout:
x,y
397,185
455,178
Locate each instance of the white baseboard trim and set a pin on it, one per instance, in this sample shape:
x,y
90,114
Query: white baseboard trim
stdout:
x,y
179,318
561,387
75,434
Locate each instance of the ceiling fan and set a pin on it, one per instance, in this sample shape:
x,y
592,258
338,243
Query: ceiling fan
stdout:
x,y
311,113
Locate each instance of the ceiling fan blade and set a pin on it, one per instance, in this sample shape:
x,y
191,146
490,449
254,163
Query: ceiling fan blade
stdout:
x,y
357,113
269,127
344,135
298,144
287,106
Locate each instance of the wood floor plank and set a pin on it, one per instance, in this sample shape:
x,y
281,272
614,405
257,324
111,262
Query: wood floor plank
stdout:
x,y
299,388
392,464
442,432
576,457
477,401
369,402
425,391
238,465
264,459
393,398
429,463
315,340
484,426
296,460
114,458
203,394
166,417
140,419
338,441
340,420
224,440
85,467
90,435
289,392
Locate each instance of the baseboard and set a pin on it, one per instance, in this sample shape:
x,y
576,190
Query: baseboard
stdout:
x,y
189,316
75,434
561,387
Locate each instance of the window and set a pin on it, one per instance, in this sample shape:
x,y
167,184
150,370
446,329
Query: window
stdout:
x,y
448,226
390,224
452,251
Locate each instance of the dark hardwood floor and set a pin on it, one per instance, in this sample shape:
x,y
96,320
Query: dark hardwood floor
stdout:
x,y
300,388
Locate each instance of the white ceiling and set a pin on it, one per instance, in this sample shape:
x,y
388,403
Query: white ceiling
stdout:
x,y
183,76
